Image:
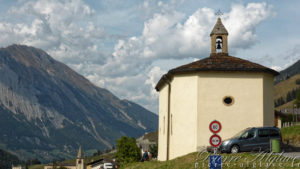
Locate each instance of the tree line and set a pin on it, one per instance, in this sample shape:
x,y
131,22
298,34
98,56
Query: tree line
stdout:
x,y
291,95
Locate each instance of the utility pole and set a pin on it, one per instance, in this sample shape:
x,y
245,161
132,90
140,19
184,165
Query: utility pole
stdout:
x,y
296,109
295,106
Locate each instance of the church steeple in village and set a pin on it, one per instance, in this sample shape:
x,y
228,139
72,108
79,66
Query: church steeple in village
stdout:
x,y
79,155
218,38
80,160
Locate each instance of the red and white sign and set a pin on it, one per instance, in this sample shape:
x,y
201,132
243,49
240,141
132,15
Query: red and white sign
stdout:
x,y
215,126
215,140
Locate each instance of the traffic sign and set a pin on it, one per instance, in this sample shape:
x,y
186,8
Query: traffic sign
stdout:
x,y
215,140
215,126
215,162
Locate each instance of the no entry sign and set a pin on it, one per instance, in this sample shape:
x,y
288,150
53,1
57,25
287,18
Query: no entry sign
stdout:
x,y
215,126
215,140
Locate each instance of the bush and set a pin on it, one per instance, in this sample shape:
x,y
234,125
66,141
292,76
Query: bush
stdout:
x,y
297,101
153,150
127,150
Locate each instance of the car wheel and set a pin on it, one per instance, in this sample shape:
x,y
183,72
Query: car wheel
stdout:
x,y
235,149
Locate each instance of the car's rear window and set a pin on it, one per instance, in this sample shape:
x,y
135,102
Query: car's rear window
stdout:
x,y
263,133
274,133
268,132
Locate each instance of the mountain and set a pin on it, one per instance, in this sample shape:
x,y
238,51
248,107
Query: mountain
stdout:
x,y
288,72
285,92
47,110
287,84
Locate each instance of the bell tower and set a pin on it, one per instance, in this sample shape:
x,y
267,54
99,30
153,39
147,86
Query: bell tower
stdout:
x,y
79,160
218,38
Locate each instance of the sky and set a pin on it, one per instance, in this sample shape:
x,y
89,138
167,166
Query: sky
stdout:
x,y
126,46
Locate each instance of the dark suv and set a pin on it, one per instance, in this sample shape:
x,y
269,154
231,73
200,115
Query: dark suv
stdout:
x,y
251,139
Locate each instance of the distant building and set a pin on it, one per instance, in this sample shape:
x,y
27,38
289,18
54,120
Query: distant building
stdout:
x,y
95,164
78,165
149,139
17,167
99,164
234,91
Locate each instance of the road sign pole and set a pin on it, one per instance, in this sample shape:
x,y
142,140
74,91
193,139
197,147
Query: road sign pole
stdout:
x,y
215,161
215,150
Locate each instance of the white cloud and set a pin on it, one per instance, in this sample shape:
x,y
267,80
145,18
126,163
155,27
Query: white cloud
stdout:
x,y
69,31
241,22
153,76
64,29
172,35
277,68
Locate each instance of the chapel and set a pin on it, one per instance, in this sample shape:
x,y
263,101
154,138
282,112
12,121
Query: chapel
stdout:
x,y
236,92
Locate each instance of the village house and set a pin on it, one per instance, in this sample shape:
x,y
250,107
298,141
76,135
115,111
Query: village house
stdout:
x,y
17,167
236,92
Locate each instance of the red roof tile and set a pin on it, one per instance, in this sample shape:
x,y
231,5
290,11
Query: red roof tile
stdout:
x,y
216,62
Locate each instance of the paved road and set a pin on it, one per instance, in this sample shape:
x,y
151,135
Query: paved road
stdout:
x,y
292,154
291,151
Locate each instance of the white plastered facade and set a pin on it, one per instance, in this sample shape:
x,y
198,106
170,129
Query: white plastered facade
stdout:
x,y
197,99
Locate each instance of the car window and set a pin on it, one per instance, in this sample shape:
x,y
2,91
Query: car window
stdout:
x,y
248,134
263,132
274,133
239,134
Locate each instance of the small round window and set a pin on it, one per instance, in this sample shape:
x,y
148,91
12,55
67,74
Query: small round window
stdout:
x,y
228,100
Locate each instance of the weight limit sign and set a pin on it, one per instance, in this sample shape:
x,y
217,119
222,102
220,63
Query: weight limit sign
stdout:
x,y
215,126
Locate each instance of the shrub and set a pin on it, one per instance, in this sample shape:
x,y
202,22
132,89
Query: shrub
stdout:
x,y
127,150
153,150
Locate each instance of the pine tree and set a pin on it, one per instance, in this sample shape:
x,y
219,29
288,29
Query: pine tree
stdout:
x,y
297,101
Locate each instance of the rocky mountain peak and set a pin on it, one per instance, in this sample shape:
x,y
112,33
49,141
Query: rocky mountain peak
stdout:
x,y
54,108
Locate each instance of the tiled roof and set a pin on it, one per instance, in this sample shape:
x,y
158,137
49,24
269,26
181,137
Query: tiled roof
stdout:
x,y
216,62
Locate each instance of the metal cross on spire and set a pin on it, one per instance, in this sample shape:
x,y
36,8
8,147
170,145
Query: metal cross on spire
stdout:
x,y
219,13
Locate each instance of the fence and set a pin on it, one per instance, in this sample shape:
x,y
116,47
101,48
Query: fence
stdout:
x,y
289,124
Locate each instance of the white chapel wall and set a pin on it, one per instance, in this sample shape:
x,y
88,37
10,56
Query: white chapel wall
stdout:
x,y
184,113
163,119
246,111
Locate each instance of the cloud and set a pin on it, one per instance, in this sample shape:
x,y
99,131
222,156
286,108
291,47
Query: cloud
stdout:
x,y
153,76
288,57
64,29
70,31
285,58
241,22
277,68
172,35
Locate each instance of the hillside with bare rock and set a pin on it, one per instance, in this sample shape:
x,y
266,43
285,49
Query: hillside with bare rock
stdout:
x,y
47,109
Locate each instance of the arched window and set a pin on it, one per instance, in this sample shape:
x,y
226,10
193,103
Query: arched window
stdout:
x,y
219,44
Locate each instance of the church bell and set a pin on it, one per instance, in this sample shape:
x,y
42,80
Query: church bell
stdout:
x,y
219,45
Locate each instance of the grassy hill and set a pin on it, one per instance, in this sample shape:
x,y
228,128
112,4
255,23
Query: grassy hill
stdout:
x,y
291,133
282,88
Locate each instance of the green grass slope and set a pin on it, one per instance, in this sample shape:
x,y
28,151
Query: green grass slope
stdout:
x,y
282,88
239,160
291,133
